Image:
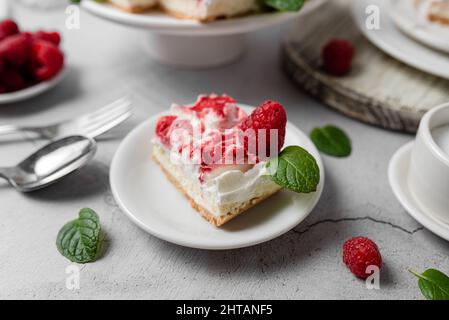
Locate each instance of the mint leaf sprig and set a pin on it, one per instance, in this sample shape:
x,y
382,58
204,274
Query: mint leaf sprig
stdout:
x,y
79,240
332,141
434,284
284,5
295,169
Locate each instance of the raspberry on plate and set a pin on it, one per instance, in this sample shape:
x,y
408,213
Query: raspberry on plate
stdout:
x,y
269,116
337,56
16,49
47,60
359,253
11,80
8,28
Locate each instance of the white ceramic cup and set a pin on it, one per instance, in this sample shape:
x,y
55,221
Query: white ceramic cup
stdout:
x,y
428,176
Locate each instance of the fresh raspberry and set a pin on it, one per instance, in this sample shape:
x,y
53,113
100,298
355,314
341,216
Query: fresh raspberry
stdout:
x,y
8,28
16,49
270,115
53,37
11,80
214,102
163,128
47,60
337,56
359,253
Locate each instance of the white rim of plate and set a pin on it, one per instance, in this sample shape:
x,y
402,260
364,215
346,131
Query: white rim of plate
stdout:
x,y
397,167
202,246
429,34
33,91
389,48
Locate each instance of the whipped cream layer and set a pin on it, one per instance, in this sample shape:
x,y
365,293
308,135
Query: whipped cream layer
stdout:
x,y
237,186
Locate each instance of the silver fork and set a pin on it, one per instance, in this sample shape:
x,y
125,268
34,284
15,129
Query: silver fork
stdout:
x,y
90,125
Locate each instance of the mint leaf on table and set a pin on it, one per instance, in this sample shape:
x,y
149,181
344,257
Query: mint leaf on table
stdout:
x,y
433,284
284,5
79,240
331,140
295,169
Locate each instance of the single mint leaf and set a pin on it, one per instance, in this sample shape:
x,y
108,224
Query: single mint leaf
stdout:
x,y
79,240
433,284
295,169
332,141
285,5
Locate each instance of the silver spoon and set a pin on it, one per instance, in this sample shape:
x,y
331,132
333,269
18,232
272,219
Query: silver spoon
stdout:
x,y
51,163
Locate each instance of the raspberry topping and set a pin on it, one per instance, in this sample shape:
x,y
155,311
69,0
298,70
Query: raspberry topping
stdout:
x,y
207,134
212,103
8,28
47,60
360,253
269,116
337,56
163,129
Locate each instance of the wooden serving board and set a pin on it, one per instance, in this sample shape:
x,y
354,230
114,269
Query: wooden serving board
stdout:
x,y
379,90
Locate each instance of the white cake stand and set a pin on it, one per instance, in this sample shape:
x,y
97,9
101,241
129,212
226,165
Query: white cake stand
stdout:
x,y
188,43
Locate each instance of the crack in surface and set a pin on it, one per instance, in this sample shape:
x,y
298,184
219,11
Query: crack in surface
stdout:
x,y
395,226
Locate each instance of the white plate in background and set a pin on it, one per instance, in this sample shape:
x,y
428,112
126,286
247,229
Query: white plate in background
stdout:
x,y
161,22
33,91
393,42
407,18
155,205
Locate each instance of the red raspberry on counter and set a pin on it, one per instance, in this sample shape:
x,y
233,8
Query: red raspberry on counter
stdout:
x,y
53,37
8,28
337,56
47,60
270,115
16,49
359,253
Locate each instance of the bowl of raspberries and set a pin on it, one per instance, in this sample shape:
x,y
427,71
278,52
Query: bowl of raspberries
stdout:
x,y
30,62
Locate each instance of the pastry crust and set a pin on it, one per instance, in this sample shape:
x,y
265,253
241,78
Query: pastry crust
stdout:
x,y
180,15
133,9
216,221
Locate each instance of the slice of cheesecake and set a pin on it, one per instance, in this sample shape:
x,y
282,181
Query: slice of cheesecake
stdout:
x,y
438,12
201,151
208,10
134,6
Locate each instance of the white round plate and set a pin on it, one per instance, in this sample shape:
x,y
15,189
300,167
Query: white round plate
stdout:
x,y
154,204
407,18
161,22
30,92
397,174
392,41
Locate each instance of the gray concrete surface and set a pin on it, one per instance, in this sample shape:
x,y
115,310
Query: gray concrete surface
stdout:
x,y
107,60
